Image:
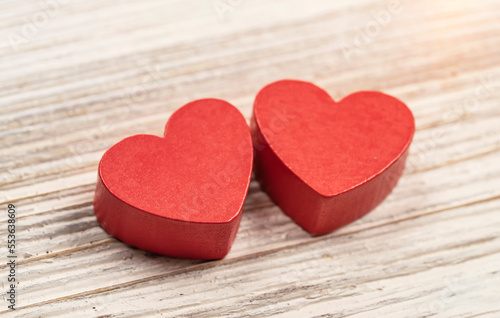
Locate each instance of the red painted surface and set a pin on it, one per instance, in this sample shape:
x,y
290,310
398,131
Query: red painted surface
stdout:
x,y
328,163
181,195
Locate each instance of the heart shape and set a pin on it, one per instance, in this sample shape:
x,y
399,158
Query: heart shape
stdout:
x,y
181,195
328,163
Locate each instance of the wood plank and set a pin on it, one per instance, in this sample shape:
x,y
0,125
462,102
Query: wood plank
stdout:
x,y
321,275
70,235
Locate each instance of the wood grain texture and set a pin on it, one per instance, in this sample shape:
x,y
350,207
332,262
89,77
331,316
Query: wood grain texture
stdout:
x,y
99,71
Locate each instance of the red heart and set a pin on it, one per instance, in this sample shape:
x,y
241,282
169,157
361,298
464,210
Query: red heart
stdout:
x,y
328,163
181,195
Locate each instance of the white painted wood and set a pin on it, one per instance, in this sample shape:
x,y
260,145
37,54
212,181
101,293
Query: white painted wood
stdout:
x,y
100,71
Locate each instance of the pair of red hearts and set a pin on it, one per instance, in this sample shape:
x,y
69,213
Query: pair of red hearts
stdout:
x,y
325,163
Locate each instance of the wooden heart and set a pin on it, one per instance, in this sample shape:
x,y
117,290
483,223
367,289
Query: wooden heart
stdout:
x,y
181,195
328,163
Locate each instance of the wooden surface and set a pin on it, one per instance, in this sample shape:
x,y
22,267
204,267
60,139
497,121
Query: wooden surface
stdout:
x,y
98,71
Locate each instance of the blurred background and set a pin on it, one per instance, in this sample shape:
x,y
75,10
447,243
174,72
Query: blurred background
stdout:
x,y
115,69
